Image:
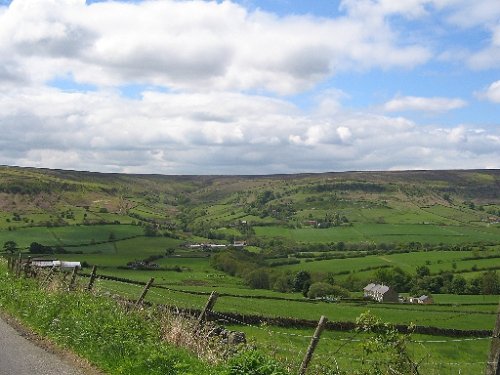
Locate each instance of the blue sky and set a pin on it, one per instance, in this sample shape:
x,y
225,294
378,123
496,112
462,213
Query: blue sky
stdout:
x,y
276,86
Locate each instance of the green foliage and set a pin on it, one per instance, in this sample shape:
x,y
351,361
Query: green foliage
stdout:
x,y
10,246
99,329
322,290
301,280
38,248
253,363
258,279
385,351
236,262
490,283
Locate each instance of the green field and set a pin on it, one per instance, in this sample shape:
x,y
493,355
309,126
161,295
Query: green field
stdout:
x,y
388,233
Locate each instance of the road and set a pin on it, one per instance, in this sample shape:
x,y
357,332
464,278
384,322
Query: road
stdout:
x,y
19,356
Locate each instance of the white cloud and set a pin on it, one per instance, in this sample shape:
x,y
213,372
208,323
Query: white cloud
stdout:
x,y
210,55
221,133
492,93
483,14
415,103
192,45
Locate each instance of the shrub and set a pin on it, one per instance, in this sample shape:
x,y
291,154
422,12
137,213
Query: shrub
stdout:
x,y
321,290
253,363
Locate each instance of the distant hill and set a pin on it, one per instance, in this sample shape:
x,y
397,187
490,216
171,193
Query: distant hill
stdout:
x,y
217,205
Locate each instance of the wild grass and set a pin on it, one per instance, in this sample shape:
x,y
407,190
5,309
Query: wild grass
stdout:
x,y
111,334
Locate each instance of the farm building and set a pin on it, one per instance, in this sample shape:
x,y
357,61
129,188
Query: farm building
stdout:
x,y
380,293
422,299
55,263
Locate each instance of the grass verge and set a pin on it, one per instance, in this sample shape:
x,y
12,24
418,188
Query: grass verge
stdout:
x,y
116,339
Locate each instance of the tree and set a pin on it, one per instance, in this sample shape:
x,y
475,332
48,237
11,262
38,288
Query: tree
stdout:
x,y
459,285
300,280
283,283
321,290
423,271
10,246
37,248
150,231
258,279
490,283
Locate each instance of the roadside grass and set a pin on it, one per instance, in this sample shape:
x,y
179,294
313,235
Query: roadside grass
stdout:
x,y
116,338
98,329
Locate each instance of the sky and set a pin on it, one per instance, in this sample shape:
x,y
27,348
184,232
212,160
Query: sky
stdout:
x,y
250,86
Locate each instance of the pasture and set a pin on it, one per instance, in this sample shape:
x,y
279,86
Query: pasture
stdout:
x,y
387,233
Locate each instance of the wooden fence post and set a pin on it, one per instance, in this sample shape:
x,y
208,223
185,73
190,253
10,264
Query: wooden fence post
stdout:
x,y
27,267
73,279
92,278
49,276
19,265
145,291
208,307
312,345
493,365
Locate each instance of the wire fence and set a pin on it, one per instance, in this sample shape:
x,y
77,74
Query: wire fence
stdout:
x,y
334,345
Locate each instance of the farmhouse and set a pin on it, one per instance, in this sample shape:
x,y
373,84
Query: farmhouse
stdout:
x,y
380,293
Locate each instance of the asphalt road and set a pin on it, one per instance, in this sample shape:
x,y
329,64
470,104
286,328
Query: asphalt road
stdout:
x,y
19,356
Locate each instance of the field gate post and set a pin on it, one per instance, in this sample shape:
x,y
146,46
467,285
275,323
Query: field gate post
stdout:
x,y
73,279
493,365
312,345
92,278
208,307
145,291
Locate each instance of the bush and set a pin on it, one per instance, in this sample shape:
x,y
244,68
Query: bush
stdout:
x,y
258,279
321,290
253,363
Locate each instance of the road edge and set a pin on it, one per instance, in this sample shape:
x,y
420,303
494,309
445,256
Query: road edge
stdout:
x,y
49,346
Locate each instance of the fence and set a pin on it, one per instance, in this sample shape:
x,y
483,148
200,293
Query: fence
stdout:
x,y
137,297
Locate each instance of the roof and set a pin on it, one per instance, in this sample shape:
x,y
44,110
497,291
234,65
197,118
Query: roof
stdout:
x,y
369,287
382,289
377,288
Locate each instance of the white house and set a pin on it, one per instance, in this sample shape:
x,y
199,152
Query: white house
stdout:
x,y
380,293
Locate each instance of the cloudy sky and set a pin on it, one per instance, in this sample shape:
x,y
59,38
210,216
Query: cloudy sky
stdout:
x,y
250,86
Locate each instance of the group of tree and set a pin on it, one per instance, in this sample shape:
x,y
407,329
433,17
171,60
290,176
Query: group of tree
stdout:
x,y
423,282
252,268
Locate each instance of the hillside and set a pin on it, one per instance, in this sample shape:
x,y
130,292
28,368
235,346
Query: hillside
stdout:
x,y
432,232
362,206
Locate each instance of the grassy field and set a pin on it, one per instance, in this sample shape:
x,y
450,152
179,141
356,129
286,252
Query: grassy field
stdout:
x,y
437,354
69,235
388,233
289,346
